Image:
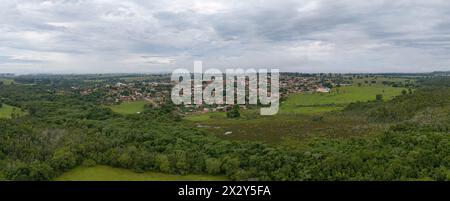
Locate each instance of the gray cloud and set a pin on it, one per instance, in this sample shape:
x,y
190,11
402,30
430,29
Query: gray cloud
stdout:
x,y
81,36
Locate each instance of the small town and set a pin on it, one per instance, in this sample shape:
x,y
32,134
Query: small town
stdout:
x,y
157,92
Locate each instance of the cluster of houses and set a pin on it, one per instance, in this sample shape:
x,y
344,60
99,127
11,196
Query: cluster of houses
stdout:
x,y
159,92
156,93
298,84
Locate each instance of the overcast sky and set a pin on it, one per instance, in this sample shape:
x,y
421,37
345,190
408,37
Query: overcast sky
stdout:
x,y
107,36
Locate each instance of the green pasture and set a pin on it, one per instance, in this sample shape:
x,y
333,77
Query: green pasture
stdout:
x,y
7,81
131,107
310,103
107,173
379,80
6,111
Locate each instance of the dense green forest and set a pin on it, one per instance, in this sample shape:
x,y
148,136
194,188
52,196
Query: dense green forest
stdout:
x,y
62,131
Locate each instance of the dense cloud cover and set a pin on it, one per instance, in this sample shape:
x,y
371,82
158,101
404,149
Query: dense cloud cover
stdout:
x,y
100,36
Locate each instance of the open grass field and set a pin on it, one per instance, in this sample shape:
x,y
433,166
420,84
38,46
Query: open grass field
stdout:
x,y
301,115
129,107
277,128
6,111
378,81
135,78
106,173
206,116
311,103
6,81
